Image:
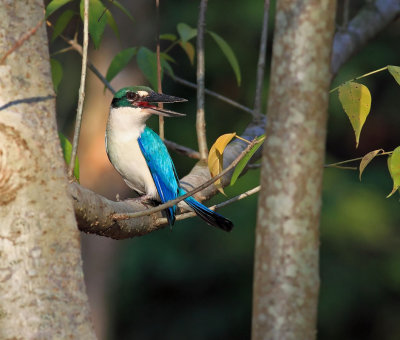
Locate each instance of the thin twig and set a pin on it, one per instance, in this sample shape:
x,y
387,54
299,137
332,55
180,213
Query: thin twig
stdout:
x,y
159,85
214,94
190,193
261,60
200,119
19,42
335,165
29,100
183,150
81,89
220,205
346,13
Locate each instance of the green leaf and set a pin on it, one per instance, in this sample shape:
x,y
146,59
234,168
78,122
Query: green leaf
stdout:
x,y
167,57
56,72
216,157
394,169
242,164
186,32
67,150
61,23
189,49
395,72
122,8
147,62
168,36
96,26
120,61
111,22
223,45
166,66
55,5
356,101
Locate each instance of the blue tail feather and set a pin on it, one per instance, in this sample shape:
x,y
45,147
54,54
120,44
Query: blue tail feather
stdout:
x,y
211,217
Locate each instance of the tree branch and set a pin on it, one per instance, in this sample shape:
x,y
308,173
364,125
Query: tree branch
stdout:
x,y
200,119
369,21
81,89
261,60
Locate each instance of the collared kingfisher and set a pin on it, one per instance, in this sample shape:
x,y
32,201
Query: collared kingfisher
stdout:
x,y
141,157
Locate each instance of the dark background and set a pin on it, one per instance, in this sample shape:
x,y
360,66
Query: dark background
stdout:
x,y
195,282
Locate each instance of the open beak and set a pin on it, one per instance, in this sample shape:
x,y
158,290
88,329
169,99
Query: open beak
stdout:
x,y
154,97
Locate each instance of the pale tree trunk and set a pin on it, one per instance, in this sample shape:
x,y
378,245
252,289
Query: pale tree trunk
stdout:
x,y
286,280
42,293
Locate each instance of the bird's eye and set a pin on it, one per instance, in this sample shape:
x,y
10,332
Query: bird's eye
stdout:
x,y
131,96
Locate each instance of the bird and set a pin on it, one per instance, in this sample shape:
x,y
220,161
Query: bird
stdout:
x,y
141,157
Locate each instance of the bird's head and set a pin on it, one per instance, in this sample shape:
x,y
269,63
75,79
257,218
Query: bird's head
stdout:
x,y
144,98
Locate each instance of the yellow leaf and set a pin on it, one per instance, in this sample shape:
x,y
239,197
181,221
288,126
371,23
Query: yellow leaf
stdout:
x,y
367,159
189,49
356,101
215,157
394,169
395,72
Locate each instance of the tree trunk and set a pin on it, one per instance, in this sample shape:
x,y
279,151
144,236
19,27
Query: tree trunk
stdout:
x,y
286,278
42,293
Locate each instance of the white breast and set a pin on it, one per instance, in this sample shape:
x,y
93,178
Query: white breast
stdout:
x,y
124,127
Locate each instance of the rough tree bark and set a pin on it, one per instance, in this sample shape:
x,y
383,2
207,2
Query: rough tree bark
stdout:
x,y
42,293
286,259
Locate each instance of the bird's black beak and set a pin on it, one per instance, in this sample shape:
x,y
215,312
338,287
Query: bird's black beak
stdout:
x,y
154,97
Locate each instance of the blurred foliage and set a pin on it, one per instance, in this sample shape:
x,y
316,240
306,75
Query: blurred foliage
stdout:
x,y
196,282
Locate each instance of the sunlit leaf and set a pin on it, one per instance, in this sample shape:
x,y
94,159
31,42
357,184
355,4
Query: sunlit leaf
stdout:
x,y
189,49
56,72
67,150
120,61
394,169
97,22
168,36
226,49
215,157
122,8
186,32
356,101
111,22
55,5
61,23
147,62
242,164
395,72
367,159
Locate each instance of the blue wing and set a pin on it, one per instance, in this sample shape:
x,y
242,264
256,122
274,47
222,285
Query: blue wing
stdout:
x,y
161,168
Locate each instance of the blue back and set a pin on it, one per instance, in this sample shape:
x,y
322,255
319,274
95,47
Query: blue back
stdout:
x,y
161,168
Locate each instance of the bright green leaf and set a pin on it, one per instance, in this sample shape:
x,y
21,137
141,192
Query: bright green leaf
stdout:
x,y
394,169
226,49
356,101
168,36
216,157
111,22
122,8
120,61
186,32
147,62
96,26
395,72
56,72
367,159
67,150
55,5
243,162
61,23
189,49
